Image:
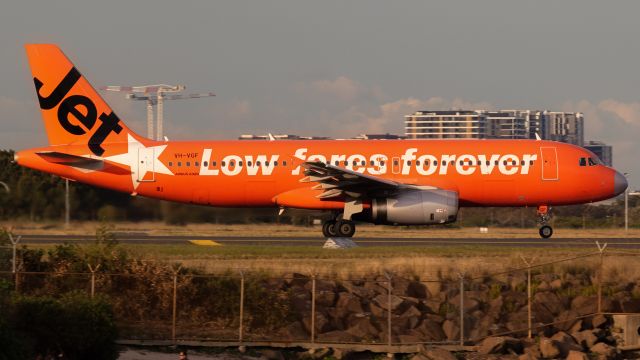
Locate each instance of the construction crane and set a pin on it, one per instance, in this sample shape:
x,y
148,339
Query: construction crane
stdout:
x,y
155,95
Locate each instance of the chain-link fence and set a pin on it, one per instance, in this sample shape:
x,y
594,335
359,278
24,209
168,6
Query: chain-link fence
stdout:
x,y
176,304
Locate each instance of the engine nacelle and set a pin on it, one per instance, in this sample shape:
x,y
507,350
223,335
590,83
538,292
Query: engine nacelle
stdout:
x,y
414,207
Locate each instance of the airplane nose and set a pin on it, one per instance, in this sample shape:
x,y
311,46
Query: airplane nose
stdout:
x,y
619,183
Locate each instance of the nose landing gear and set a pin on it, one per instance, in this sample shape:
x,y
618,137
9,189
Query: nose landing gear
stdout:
x,y
544,215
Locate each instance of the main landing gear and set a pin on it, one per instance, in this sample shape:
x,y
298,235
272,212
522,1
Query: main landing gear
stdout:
x,y
544,215
338,228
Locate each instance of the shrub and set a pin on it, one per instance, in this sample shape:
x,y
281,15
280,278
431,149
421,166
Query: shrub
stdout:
x,y
77,326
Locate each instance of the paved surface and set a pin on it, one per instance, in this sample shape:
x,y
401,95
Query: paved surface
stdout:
x,y
139,238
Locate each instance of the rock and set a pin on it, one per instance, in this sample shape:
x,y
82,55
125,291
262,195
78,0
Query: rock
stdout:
x,y
349,302
599,321
556,284
434,288
577,355
585,338
565,343
359,291
584,305
321,323
411,312
438,354
419,357
363,328
532,349
544,286
337,336
549,300
500,345
408,339
377,311
325,298
298,280
549,348
470,305
418,290
430,331
566,320
630,305
432,304
271,354
383,301
603,349
296,331
451,330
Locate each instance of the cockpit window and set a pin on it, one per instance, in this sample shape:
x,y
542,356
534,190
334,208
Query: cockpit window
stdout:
x,y
583,161
592,162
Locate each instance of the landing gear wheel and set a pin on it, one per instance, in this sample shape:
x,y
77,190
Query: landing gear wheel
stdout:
x,y
345,228
329,229
546,231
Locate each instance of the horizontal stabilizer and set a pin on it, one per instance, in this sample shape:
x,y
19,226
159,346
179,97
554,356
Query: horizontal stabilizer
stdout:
x,y
82,162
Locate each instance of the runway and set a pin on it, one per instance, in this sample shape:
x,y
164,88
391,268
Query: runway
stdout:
x,y
141,238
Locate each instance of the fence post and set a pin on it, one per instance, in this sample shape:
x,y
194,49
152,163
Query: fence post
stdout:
x,y
240,327
175,303
461,275
528,262
600,270
313,308
93,278
14,246
389,339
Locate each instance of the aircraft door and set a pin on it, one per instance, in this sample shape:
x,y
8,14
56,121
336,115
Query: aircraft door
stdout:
x,y
549,163
146,165
395,165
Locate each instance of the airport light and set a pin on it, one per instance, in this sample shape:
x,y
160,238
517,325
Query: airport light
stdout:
x,y
155,95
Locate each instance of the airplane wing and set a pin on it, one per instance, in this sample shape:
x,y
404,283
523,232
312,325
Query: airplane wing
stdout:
x,y
340,182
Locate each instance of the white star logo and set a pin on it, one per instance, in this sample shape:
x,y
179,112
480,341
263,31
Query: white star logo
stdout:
x,y
141,160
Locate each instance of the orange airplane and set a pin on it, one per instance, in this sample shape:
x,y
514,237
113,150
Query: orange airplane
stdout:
x,y
417,182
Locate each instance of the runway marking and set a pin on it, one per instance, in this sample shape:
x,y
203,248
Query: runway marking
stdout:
x,y
205,243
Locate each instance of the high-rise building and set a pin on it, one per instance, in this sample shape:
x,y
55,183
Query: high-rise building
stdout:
x,y
454,124
602,150
502,124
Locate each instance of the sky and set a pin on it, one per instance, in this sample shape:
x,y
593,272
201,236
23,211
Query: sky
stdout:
x,y
335,68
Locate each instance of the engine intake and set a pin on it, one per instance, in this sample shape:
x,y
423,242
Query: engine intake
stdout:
x,y
415,207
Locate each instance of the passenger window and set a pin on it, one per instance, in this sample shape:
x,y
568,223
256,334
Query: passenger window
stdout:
x,y
232,163
382,163
337,163
170,163
363,163
395,162
513,163
284,163
275,163
444,163
435,162
188,163
257,163
346,163
496,162
240,163
417,162
530,162
224,163
248,163
196,163
583,161
266,163
213,163
206,164
372,163
179,163
355,163
408,163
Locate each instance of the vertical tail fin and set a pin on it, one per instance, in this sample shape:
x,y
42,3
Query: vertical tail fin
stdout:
x,y
73,111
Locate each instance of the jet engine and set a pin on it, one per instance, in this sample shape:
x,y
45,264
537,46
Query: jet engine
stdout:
x,y
413,207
